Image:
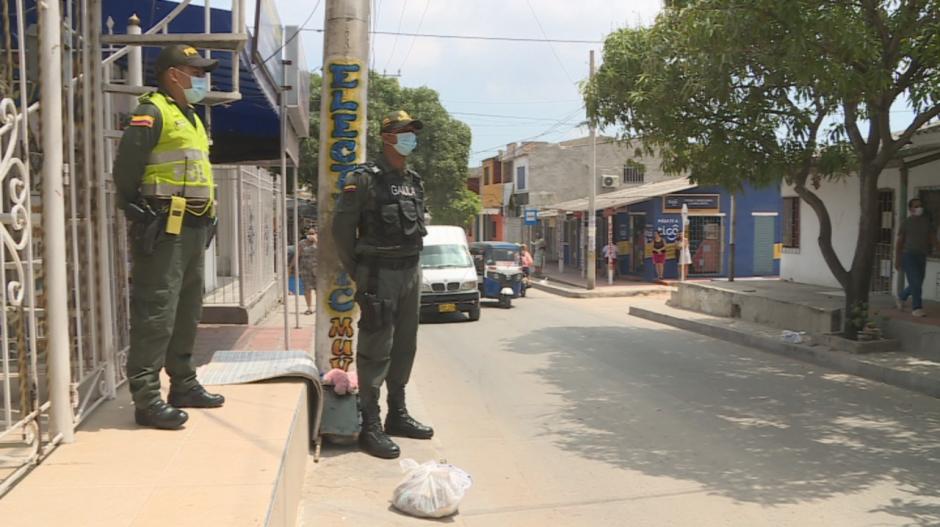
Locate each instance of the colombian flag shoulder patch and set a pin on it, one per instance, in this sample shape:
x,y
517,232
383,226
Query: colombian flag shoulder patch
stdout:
x,y
349,187
142,120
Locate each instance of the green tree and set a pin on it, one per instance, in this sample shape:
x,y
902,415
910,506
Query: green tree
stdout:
x,y
760,91
442,156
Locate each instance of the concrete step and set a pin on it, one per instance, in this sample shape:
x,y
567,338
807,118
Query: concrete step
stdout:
x,y
239,465
896,369
797,311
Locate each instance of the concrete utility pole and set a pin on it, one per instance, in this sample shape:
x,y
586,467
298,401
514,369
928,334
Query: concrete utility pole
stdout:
x,y
591,263
343,129
731,252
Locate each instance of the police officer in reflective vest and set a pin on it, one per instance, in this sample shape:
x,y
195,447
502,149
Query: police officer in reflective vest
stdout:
x,y
164,182
378,229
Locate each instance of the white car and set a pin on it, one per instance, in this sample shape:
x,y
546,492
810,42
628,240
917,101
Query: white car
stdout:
x,y
449,277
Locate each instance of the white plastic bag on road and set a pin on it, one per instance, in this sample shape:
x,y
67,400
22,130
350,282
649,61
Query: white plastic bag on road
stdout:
x,y
431,489
793,337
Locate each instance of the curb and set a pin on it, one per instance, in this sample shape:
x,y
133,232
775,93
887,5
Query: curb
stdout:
x,y
836,360
581,293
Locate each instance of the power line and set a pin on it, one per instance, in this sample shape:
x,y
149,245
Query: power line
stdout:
x,y
550,130
401,19
500,116
569,101
478,37
427,4
550,46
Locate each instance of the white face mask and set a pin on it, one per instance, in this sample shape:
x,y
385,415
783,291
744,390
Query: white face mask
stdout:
x,y
917,211
198,90
311,237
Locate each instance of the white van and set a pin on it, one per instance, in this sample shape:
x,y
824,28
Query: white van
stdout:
x,y
450,279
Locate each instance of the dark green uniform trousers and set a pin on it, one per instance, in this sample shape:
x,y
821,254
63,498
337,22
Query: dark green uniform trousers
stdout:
x,y
166,304
387,354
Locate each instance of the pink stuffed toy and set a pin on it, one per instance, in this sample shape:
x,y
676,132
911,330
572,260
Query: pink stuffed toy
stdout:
x,y
342,382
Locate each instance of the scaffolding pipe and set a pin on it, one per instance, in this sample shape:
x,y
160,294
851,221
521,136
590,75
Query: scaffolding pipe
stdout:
x,y
238,26
296,253
72,181
103,237
53,223
88,178
283,213
240,236
135,62
163,24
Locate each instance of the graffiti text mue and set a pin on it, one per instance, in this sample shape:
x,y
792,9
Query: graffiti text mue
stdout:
x,y
345,123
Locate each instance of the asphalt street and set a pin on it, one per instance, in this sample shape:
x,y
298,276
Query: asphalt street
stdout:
x,y
571,412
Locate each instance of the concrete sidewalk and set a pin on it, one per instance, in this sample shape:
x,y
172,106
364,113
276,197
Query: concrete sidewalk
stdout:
x,y
570,284
238,465
902,370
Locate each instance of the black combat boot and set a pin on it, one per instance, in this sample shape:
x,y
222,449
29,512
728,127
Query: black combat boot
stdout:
x,y
399,423
372,440
196,397
161,415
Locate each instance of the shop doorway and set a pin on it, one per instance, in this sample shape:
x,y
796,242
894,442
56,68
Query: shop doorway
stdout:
x,y
764,237
638,243
705,245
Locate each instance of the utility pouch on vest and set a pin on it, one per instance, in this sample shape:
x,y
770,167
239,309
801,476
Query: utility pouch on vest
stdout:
x,y
374,313
174,222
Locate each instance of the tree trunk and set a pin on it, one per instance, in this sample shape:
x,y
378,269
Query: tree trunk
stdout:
x,y
857,293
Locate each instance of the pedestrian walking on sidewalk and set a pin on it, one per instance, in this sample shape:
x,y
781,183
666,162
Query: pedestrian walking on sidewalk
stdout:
x,y
308,266
165,186
526,257
915,238
609,254
659,254
378,229
539,262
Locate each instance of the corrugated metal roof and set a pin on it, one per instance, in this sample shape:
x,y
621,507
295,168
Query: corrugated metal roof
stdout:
x,y
629,195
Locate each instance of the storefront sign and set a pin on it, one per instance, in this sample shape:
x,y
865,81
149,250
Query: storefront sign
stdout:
x,y
531,217
695,202
669,229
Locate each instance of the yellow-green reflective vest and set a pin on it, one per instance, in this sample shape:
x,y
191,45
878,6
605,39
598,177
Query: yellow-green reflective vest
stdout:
x,y
179,164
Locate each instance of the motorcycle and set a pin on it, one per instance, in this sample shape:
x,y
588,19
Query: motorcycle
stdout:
x,y
499,273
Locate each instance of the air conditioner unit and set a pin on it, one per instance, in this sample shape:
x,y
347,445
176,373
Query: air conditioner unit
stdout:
x,y
608,181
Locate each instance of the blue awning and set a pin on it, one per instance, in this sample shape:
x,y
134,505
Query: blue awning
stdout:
x,y
247,130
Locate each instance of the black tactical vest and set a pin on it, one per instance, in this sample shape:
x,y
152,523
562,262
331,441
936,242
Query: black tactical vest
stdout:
x,y
394,216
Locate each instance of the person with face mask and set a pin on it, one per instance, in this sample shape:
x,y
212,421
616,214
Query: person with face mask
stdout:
x,y
308,266
915,238
378,229
165,186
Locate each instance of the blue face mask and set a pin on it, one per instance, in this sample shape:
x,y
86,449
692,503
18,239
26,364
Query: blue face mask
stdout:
x,y
199,89
406,143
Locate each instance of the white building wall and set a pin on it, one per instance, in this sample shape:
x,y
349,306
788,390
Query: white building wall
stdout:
x,y
807,265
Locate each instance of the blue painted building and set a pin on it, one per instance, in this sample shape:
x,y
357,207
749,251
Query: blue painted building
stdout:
x,y
758,232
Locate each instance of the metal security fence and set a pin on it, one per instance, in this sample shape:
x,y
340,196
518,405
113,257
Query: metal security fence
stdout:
x,y
242,263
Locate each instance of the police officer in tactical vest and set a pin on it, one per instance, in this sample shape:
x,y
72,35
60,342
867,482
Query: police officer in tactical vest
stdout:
x,y
165,186
378,229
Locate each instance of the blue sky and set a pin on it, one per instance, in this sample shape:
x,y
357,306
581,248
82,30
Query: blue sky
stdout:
x,y
531,88
505,91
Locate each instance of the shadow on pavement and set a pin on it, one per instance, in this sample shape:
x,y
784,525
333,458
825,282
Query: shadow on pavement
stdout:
x,y
765,431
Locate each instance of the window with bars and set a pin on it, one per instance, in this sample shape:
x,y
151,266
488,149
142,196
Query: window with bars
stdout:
x,y
632,174
791,223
